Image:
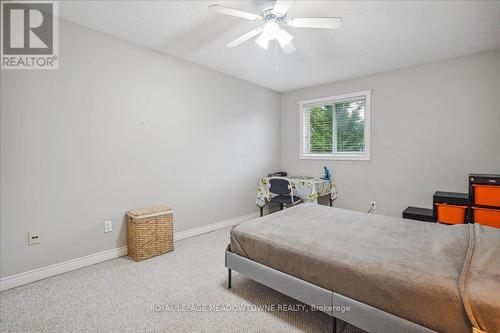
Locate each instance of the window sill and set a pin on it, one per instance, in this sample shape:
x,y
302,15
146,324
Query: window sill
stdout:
x,y
338,157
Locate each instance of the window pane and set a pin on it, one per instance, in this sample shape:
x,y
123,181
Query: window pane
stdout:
x,y
334,127
320,129
349,119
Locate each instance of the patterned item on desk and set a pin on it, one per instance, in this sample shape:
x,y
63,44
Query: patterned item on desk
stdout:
x,y
308,189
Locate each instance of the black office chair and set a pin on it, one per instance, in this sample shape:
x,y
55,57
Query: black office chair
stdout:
x,y
284,190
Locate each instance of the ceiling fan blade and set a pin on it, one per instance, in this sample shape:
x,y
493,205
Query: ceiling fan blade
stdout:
x,y
288,48
235,12
315,22
245,37
282,6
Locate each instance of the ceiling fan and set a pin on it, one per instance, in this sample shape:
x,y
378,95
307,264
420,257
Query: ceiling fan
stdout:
x,y
273,16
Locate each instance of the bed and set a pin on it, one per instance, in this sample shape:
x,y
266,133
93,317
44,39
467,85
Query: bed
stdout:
x,y
395,275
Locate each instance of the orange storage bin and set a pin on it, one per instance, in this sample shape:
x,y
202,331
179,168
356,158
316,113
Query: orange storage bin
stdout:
x,y
486,216
450,214
487,195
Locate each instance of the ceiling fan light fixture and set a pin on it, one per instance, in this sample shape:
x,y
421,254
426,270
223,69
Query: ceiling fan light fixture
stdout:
x,y
263,41
288,48
271,30
284,38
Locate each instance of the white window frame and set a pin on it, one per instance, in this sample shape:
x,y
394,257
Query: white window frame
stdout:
x,y
362,156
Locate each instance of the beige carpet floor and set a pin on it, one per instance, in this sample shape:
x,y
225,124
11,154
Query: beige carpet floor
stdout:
x,y
183,291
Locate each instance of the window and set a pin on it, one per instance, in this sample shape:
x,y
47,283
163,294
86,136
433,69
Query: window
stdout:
x,y
336,128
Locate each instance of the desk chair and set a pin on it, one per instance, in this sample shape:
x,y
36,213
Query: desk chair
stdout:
x,y
283,189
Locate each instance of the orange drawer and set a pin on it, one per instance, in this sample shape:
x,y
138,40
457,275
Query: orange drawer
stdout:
x,y
487,195
486,216
450,214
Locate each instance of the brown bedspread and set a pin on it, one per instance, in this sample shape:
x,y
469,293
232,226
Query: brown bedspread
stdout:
x,y
408,268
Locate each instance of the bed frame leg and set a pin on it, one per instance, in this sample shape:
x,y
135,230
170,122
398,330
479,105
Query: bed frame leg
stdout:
x,y
331,202
261,211
229,278
334,325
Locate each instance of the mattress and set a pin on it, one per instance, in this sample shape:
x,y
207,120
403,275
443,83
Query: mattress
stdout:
x,y
411,269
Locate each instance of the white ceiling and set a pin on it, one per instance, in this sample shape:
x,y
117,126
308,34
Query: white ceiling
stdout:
x,y
376,36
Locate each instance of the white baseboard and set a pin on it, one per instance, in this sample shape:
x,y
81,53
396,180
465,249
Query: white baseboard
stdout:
x,y
213,226
63,267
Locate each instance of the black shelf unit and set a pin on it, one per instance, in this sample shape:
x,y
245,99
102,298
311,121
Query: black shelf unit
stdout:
x,y
480,179
450,198
419,214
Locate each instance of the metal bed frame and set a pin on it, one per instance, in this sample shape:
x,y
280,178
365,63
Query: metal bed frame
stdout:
x,y
360,315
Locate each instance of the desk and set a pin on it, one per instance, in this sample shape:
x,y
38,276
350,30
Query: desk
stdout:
x,y
308,189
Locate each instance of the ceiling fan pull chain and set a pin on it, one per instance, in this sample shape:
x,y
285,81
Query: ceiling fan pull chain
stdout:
x,y
276,56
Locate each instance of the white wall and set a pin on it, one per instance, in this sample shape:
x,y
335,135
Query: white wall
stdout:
x,y
119,127
431,125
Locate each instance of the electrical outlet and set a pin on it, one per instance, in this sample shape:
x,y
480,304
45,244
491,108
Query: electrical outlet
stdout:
x,y
33,237
373,207
108,226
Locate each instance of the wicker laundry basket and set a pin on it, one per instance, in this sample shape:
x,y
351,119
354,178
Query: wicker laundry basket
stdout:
x,y
150,232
